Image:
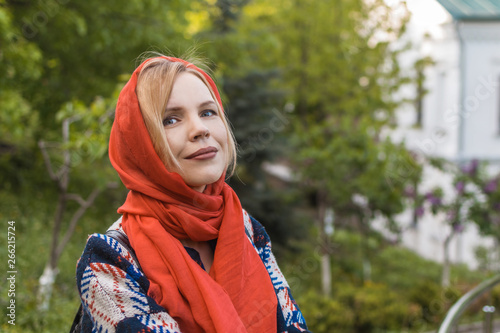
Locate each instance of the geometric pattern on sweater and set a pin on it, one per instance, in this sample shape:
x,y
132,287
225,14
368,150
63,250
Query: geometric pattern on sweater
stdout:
x,y
248,227
157,323
117,247
125,294
114,291
96,294
291,315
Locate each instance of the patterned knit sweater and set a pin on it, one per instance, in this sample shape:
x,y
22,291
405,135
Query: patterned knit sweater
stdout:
x,y
114,290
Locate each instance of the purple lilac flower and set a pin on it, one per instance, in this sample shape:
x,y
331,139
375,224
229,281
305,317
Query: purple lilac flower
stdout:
x,y
491,186
458,227
472,168
435,201
460,186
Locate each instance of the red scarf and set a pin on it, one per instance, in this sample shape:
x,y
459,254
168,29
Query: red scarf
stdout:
x,y
160,209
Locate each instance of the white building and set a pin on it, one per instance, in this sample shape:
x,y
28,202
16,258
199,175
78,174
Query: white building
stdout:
x,y
460,115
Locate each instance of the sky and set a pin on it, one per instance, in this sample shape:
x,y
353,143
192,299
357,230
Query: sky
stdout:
x,y
427,15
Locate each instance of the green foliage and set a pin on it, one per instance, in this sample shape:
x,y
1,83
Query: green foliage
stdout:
x,y
403,269
370,308
86,144
258,127
377,307
325,314
254,103
90,128
18,125
432,300
475,198
485,209
341,76
20,64
323,73
87,45
32,209
20,59
425,293
404,293
59,52
18,121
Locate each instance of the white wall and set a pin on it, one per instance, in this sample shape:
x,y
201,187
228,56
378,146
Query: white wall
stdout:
x,y
481,99
445,107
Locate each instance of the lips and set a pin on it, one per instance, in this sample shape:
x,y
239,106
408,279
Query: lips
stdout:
x,y
203,153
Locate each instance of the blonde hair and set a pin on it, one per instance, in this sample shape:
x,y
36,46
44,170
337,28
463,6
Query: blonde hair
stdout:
x,y
154,85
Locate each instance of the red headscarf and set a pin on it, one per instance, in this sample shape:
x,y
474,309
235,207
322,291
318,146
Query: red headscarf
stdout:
x,y
160,209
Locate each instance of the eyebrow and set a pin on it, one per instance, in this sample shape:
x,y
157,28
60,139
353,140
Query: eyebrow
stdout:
x,y
179,108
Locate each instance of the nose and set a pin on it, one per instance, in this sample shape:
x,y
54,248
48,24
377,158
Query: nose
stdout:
x,y
198,130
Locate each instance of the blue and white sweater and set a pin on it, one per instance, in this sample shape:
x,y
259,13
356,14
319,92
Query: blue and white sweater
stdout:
x,y
114,290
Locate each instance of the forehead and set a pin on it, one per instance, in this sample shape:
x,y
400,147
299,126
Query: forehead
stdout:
x,y
187,89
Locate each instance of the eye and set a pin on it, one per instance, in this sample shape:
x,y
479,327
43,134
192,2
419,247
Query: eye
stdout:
x,y
169,121
208,113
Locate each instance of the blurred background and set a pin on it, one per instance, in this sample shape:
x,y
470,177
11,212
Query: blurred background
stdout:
x,y
368,133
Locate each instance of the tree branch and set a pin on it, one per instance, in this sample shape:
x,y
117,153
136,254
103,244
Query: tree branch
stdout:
x,y
74,220
48,164
76,197
84,205
64,171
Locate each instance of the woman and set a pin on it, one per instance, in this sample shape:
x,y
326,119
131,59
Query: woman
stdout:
x,y
205,264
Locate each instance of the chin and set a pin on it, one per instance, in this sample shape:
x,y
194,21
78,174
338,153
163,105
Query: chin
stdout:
x,y
203,181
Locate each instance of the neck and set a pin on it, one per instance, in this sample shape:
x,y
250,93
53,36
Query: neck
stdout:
x,y
199,188
204,250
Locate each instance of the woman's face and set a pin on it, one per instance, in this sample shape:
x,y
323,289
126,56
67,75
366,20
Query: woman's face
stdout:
x,y
195,132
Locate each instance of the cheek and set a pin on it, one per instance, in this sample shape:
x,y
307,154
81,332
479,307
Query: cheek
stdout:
x,y
224,142
221,135
174,141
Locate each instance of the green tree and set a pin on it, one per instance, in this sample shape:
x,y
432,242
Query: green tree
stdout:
x,y
485,209
20,64
340,65
59,56
254,103
78,151
259,126
57,51
475,198
87,45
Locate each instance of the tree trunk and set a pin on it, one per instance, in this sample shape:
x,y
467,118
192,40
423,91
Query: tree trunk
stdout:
x,y
46,283
363,231
326,272
445,276
48,277
61,179
326,275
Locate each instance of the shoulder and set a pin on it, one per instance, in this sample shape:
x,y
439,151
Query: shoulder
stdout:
x,y
113,290
255,231
103,252
289,317
259,238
